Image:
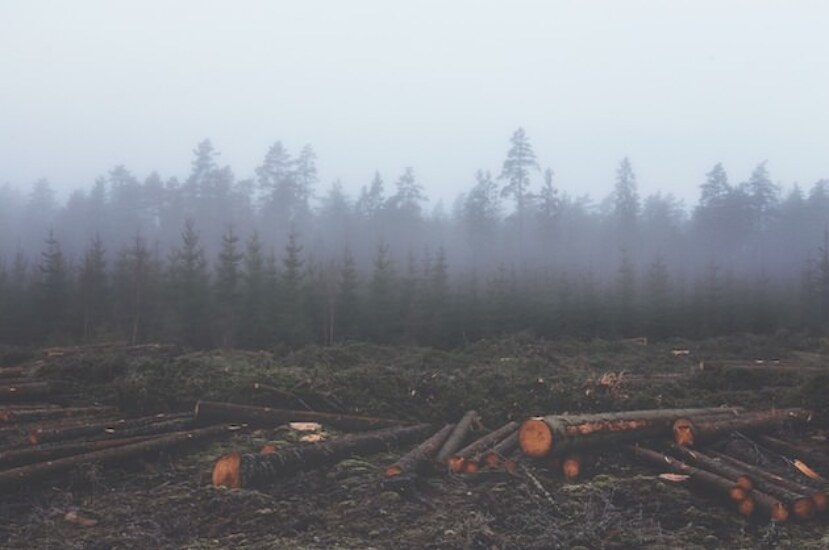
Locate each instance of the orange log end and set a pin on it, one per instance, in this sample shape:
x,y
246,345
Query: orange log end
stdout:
x,y
684,432
510,465
780,513
393,470
268,449
32,438
470,467
804,508
492,460
746,507
737,493
227,471
535,437
745,482
456,463
821,501
571,468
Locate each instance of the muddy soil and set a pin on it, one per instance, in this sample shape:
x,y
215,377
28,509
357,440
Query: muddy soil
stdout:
x,y
167,501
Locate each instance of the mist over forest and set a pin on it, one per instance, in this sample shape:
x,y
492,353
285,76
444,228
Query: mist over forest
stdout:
x,y
281,258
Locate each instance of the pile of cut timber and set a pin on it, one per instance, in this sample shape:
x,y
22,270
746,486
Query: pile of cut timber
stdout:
x,y
776,494
40,436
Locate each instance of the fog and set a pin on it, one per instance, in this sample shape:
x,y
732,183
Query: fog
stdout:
x,y
378,86
254,173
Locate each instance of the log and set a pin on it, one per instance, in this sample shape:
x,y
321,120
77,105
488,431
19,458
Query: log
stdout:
x,y
571,467
118,428
704,429
420,455
458,436
558,434
28,455
28,391
211,412
237,470
819,497
13,372
34,415
769,505
456,460
795,450
32,472
738,476
496,455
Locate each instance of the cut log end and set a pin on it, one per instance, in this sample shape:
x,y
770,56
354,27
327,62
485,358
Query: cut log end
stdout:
x,y
455,464
571,468
394,470
746,507
821,501
492,460
268,449
804,508
779,512
535,438
745,482
227,471
737,493
683,432
470,467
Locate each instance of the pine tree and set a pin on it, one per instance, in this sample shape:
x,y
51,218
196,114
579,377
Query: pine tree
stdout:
x,y
381,318
348,300
293,326
227,288
190,286
626,203
516,171
53,290
93,290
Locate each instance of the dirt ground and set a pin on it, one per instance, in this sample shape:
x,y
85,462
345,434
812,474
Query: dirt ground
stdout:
x,y
167,501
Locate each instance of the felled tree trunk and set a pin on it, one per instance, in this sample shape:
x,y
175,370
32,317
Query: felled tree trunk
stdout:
x,y
495,456
717,484
32,472
704,429
237,470
458,459
795,451
210,412
458,436
118,428
558,434
798,491
28,455
740,477
420,455
34,415
12,372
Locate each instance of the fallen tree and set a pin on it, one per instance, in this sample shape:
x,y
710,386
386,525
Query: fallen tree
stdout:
x,y
39,453
702,429
26,391
420,455
459,461
770,506
236,470
24,474
459,434
496,456
796,451
37,414
212,412
119,428
557,434
798,491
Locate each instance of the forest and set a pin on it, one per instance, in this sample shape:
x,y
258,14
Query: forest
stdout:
x,y
275,260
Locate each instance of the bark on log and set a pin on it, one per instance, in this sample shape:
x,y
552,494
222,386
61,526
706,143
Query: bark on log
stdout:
x,y
27,391
13,372
118,428
39,470
456,460
557,434
420,455
237,470
500,452
282,395
458,436
211,412
756,421
794,450
28,455
819,497
740,477
769,505
34,415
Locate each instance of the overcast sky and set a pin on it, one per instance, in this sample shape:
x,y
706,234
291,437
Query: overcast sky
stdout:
x,y
437,85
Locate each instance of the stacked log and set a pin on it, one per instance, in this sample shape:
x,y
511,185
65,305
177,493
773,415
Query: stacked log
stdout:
x,y
689,431
421,455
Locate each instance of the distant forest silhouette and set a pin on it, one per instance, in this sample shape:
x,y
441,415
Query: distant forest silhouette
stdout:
x,y
276,261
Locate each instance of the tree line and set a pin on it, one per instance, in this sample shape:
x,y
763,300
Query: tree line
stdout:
x,y
218,261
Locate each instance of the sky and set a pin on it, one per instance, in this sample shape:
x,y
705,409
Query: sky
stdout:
x,y
676,86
